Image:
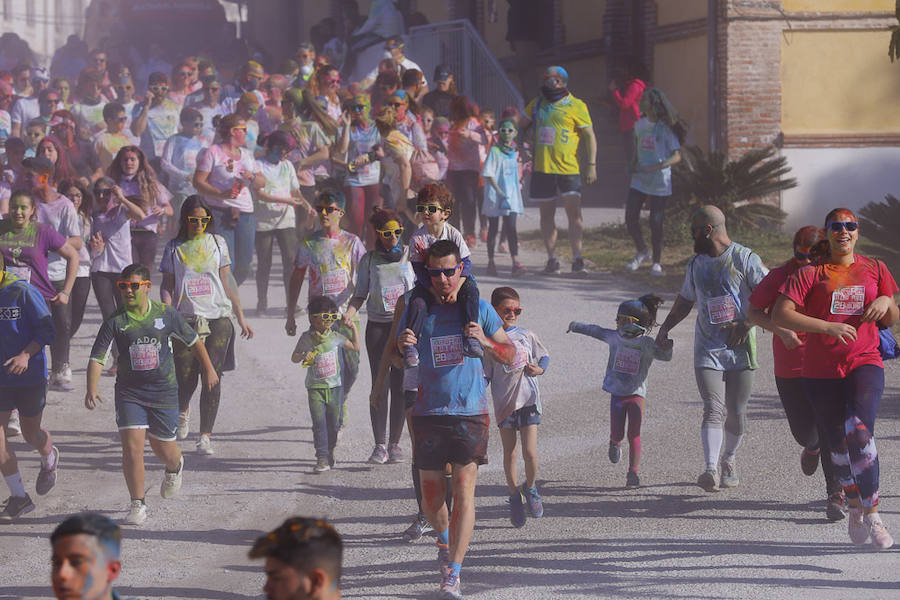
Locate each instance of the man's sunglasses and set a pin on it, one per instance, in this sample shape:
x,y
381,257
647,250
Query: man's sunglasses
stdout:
x,y
326,209
512,311
837,226
436,273
387,233
198,220
134,285
197,124
121,119
428,208
326,317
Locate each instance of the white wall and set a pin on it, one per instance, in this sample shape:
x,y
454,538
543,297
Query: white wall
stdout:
x,y
44,24
832,177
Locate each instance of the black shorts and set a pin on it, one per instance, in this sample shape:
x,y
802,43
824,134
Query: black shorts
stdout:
x,y
29,400
549,186
455,439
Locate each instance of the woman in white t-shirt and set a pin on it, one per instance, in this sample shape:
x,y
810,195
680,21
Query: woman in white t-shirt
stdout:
x,y
224,174
197,281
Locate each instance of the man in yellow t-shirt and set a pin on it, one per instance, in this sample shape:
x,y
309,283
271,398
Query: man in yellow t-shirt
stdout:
x,y
560,122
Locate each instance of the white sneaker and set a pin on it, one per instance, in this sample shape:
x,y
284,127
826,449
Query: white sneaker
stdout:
x,y
172,481
137,513
184,420
856,527
204,446
656,270
58,383
13,428
67,373
881,539
639,258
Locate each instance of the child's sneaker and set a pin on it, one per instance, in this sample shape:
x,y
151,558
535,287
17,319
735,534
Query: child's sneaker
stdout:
x,y
410,357
881,539
639,258
321,465
615,452
632,480
379,455
517,509
450,586
472,348
535,504
656,270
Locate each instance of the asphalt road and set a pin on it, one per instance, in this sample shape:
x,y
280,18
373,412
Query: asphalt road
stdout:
x,y
767,538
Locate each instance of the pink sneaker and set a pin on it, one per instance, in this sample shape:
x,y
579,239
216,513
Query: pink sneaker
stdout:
x,y
881,539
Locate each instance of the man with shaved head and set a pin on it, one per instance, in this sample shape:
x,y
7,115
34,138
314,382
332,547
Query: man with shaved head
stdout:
x,y
719,279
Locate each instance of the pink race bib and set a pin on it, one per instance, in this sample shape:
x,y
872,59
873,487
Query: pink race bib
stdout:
x,y
848,300
144,357
628,361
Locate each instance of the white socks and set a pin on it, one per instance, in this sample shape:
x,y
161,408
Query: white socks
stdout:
x,y
712,444
16,487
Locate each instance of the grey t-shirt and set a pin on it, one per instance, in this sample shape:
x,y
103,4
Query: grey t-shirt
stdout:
x,y
60,214
382,282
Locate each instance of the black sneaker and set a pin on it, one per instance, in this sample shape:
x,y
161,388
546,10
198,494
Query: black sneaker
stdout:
x,y
632,480
578,265
809,461
16,506
552,266
615,452
46,479
472,348
836,507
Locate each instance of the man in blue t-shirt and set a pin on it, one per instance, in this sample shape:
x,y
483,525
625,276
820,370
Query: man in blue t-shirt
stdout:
x,y
450,417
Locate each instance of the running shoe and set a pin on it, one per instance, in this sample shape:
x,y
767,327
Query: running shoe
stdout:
x,y
472,348
615,452
632,480
14,427
517,509
16,506
729,475
552,266
58,383
204,446
410,357
856,526
656,270
46,479
491,269
578,265
443,557
881,539
395,454
809,461
420,527
321,465
184,422
836,507
171,482
67,373
137,513
379,455
518,270
639,258
533,499
709,480
450,586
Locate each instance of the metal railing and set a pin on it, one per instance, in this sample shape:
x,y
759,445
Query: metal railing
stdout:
x,y
476,70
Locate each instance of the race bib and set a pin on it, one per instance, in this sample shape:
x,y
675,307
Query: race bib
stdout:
x,y
326,365
546,136
722,309
23,273
447,350
144,357
648,142
390,294
848,300
628,361
334,282
521,358
197,286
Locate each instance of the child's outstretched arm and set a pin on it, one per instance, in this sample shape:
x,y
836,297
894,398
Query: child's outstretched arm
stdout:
x,y
595,331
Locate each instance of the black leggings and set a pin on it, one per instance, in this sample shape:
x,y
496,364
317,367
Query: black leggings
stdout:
x,y
509,231
62,325
287,245
187,371
632,220
464,186
802,421
143,247
376,344
80,292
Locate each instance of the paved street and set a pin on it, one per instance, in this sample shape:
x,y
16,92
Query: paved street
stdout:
x,y
766,539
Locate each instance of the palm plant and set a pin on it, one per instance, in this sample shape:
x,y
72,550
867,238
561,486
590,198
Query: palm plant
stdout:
x,y
881,221
734,186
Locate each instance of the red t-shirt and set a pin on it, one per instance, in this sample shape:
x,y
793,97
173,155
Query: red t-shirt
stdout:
x,y
839,294
788,363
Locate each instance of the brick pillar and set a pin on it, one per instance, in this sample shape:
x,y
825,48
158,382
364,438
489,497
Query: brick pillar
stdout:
x,y
750,62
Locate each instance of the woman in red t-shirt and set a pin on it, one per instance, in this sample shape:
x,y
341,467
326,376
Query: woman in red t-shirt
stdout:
x,y
840,302
788,349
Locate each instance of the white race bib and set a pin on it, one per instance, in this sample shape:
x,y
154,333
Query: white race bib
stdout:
x,y
144,357
546,136
197,285
23,273
334,282
447,350
848,300
722,309
521,358
390,294
628,361
326,365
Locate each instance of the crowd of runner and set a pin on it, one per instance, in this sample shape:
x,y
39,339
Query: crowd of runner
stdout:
x,y
375,192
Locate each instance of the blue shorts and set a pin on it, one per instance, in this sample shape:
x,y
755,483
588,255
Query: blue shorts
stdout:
x,y
527,415
29,400
549,186
161,423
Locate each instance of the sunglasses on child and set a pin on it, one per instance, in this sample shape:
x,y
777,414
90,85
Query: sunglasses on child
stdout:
x,y
512,311
387,233
837,226
326,209
327,317
427,208
198,220
133,285
397,104
507,130
436,273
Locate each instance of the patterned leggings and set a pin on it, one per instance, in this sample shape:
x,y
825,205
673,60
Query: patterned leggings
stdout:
x,y
632,408
187,371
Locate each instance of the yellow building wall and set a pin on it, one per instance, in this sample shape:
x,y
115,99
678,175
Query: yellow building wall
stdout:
x,y
676,11
838,82
583,19
679,71
838,5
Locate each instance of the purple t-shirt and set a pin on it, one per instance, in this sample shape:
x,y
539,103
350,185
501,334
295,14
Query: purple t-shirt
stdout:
x,y
115,228
25,254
